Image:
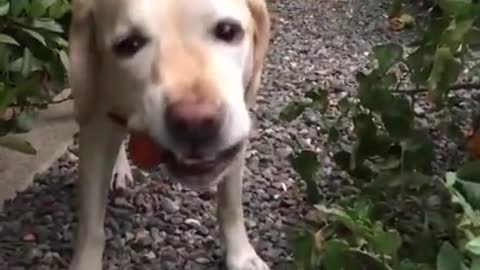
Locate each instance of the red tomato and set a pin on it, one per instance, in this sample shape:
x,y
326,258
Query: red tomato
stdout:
x,y
144,152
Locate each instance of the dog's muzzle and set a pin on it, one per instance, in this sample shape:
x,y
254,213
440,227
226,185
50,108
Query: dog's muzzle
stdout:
x,y
196,169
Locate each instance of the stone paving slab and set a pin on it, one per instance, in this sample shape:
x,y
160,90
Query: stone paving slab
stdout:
x,y
51,134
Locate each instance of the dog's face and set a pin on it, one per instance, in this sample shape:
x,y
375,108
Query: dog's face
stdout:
x,y
181,71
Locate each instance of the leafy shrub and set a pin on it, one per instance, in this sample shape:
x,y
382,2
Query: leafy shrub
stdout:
x,y
33,62
404,216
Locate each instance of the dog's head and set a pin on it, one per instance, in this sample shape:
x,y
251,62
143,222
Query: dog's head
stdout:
x,y
181,71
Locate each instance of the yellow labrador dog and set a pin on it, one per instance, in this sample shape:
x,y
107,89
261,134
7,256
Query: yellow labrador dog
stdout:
x,y
182,72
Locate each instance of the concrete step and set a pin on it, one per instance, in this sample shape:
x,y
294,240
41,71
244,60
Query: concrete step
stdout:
x,y
51,134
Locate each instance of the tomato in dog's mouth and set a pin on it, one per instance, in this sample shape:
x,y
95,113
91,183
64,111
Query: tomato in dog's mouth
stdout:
x,y
180,166
199,171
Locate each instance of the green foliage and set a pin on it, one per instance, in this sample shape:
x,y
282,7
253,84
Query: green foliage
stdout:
x,y
403,217
17,144
306,163
33,59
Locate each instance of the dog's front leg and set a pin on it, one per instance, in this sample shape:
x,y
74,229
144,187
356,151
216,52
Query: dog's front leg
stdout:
x,y
240,254
99,142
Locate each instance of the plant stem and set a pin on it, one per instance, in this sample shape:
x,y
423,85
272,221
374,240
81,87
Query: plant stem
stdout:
x,y
419,90
43,104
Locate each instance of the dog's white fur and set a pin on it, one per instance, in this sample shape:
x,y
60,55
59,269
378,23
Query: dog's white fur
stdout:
x,y
182,60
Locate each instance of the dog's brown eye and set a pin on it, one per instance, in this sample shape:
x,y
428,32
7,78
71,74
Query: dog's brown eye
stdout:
x,y
129,45
228,30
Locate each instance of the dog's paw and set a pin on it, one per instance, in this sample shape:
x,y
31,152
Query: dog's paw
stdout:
x,y
246,260
122,176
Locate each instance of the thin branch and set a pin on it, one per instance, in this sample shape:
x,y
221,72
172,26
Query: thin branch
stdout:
x,y
419,90
43,104
404,76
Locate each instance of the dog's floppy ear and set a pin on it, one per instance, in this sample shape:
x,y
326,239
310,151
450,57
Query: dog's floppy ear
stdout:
x,y
261,39
84,59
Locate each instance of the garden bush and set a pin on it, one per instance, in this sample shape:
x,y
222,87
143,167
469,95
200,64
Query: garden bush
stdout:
x,y
33,63
405,215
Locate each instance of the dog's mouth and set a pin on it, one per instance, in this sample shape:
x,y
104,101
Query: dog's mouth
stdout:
x,y
201,171
182,166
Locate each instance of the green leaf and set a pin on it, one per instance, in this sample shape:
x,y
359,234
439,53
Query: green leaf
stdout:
x,y
470,171
340,215
56,69
334,249
453,129
5,52
468,179
475,263
7,96
58,9
344,104
6,39
364,148
420,63
417,150
306,164
445,71
17,6
319,98
456,32
398,119
4,8
425,247
455,7
346,161
372,93
449,258
389,80
388,164
64,59
342,159
60,41
396,8
26,63
333,134
387,55
35,35
37,8
47,24
17,144
353,259
49,3
23,122
409,265
415,179
473,246
349,218
475,68
292,111
17,65
303,243
364,126
473,36
450,179
387,242
407,179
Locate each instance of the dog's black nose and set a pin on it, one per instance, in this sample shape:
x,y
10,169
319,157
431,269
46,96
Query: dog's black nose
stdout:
x,y
194,123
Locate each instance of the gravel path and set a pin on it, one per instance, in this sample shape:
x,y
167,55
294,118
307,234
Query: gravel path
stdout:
x,y
160,225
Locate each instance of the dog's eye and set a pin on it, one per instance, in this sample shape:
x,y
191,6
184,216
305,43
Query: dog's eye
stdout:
x,y
129,45
228,30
